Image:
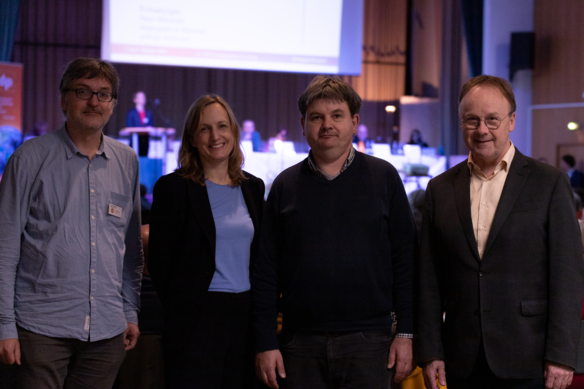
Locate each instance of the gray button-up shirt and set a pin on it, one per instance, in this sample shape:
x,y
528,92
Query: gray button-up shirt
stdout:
x,y
70,245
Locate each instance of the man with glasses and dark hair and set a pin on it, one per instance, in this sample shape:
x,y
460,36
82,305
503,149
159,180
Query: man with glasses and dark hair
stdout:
x,y
501,272
70,245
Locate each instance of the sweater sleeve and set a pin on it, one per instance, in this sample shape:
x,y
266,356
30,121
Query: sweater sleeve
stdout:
x,y
404,246
264,282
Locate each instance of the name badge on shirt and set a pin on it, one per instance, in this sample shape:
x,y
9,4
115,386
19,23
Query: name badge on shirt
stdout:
x,y
114,210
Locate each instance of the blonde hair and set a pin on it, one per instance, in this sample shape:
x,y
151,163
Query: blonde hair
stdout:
x,y
189,160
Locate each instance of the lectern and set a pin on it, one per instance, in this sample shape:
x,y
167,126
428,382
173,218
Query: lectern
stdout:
x,y
150,131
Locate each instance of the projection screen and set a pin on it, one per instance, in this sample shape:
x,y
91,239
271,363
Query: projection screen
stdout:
x,y
304,36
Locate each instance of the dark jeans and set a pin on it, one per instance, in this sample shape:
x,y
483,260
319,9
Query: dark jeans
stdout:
x,y
216,352
49,363
482,377
315,360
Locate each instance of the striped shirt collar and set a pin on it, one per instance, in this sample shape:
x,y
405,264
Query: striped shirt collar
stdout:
x,y
347,163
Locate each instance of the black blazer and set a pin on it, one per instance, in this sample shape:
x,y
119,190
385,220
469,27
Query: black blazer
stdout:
x,y
182,246
524,298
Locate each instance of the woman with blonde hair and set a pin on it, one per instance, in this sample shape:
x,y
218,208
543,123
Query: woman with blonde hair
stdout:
x,y
204,233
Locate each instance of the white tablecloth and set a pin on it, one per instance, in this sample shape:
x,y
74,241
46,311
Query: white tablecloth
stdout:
x,y
267,166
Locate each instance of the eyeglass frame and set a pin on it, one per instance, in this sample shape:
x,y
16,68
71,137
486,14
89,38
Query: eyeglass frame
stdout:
x,y
462,122
92,93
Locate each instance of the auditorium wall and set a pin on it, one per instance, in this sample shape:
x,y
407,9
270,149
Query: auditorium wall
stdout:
x,y
50,33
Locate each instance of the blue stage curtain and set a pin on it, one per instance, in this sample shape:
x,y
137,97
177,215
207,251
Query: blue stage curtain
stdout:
x,y
472,19
8,21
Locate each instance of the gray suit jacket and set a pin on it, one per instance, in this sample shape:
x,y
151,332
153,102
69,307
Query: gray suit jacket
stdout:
x,y
524,298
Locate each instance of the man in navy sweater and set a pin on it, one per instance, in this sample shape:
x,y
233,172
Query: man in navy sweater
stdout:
x,y
336,258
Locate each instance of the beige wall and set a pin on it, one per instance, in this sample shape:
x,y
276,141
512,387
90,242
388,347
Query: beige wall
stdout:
x,y
550,131
423,114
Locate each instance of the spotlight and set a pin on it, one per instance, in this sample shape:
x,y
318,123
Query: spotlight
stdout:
x,y
573,126
390,108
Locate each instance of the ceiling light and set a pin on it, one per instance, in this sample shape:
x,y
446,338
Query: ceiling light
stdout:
x,y
573,126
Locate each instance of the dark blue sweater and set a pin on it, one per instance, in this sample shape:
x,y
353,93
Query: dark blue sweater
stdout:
x,y
340,252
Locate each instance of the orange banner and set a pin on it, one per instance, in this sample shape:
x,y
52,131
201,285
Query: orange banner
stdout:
x,y
10,110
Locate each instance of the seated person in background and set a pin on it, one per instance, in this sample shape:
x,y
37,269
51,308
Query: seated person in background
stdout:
x,y
578,205
361,139
417,204
40,128
280,136
249,133
416,138
139,116
567,165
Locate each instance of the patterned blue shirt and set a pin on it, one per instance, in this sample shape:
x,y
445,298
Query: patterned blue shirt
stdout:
x,y
70,245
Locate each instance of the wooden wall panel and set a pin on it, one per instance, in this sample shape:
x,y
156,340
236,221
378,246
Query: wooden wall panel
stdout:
x,y
558,75
51,33
384,51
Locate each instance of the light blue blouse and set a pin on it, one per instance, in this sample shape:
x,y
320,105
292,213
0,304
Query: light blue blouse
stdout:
x,y
234,234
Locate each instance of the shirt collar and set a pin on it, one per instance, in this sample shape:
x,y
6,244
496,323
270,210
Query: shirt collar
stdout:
x,y
71,149
104,148
347,163
502,165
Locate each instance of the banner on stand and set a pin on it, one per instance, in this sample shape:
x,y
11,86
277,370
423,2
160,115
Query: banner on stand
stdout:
x,y
10,110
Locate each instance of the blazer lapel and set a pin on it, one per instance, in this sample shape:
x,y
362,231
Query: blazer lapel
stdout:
x,y
461,181
201,207
516,178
